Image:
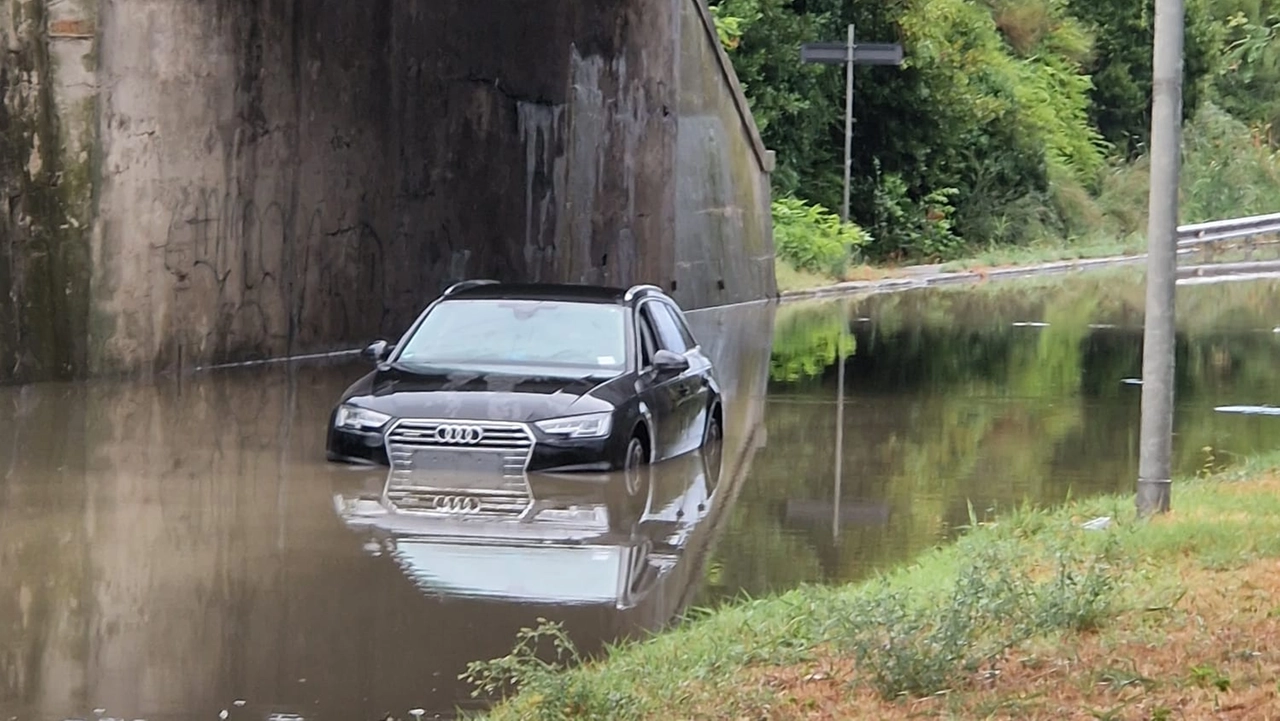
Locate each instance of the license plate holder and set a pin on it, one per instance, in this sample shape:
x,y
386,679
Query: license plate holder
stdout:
x,y
436,461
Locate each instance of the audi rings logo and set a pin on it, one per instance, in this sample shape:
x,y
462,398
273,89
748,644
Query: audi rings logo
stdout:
x,y
459,435
454,504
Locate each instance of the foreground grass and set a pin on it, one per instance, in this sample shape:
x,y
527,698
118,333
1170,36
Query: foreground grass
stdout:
x,y
1031,616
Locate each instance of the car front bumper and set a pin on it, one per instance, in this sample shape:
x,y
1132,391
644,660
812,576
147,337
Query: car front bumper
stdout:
x,y
549,454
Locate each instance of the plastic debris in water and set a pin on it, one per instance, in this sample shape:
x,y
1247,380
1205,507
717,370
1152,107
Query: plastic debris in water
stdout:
x,y
224,714
238,702
1101,523
1030,324
1131,381
1250,410
416,713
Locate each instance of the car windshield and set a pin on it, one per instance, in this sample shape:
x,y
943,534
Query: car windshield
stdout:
x,y
521,332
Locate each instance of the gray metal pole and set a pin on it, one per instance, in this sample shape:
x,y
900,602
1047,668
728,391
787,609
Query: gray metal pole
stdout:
x,y
848,123
1156,441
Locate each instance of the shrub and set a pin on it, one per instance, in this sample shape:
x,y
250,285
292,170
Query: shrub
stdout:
x,y
915,649
810,237
904,227
1229,170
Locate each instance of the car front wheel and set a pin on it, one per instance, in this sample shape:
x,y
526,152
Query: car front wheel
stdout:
x,y
626,500
633,466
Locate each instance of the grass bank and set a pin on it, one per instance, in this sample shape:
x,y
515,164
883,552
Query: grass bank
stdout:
x,y
1027,616
791,278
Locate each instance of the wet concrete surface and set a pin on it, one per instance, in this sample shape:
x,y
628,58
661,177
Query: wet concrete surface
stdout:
x,y
170,549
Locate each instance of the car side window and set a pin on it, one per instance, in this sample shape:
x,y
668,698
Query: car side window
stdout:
x,y
685,333
648,346
668,329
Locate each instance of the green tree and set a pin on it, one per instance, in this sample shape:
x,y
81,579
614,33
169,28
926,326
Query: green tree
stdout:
x,y
957,145
1247,81
1121,67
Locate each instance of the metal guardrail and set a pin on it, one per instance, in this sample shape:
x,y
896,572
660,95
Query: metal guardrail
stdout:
x,y
1230,229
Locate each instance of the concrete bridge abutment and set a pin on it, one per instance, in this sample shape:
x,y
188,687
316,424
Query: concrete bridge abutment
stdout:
x,y
190,183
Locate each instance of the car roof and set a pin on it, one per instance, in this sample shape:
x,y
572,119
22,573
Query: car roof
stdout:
x,y
565,292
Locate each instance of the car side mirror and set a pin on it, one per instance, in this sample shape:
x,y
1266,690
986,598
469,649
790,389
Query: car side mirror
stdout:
x,y
665,361
376,352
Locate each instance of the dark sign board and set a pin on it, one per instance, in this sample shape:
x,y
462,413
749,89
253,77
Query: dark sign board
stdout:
x,y
863,53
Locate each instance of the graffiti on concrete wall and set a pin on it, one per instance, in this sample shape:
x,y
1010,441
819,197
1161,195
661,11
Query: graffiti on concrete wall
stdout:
x,y
255,277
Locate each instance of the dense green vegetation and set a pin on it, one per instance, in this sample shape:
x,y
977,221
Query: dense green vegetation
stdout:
x,y
1011,122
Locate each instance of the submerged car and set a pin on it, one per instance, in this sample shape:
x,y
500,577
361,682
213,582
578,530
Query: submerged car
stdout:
x,y
499,380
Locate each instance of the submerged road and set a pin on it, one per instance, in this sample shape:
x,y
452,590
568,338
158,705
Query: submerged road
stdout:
x,y
169,551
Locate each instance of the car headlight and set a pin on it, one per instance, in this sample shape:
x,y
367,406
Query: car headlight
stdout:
x,y
360,419
593,425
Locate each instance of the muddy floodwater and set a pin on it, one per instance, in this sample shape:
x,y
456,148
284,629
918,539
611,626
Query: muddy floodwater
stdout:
x,y
177,549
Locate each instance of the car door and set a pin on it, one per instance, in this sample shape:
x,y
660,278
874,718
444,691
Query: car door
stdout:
x,y
659,393
702,386
699,384
688,389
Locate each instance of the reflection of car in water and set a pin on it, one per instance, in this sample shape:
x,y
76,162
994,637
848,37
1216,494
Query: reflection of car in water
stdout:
x,y
498,380
572,544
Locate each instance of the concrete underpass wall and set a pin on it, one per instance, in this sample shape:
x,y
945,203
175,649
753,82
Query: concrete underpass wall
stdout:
x,y
47,131
724,227
275,177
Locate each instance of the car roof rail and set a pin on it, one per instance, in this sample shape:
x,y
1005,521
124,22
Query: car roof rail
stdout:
x,y
641,289
463,285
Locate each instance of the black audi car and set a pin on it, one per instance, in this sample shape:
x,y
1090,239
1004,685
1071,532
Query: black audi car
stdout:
x,y
506,379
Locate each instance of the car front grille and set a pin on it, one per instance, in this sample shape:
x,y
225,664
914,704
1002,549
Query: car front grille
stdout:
x,y
458,467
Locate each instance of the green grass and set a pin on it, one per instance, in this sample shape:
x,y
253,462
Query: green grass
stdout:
x,y
1026,578
791,279
1048,251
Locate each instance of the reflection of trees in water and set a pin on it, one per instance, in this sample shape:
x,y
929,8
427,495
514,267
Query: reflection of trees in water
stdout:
x,y
947,401
807,340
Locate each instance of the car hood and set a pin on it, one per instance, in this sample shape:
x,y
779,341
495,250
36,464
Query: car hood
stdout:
x,y
478,394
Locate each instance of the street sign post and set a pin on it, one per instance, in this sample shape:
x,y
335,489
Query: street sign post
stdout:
x,y
850,53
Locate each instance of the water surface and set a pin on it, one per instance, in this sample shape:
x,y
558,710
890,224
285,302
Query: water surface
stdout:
x,y
168,549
